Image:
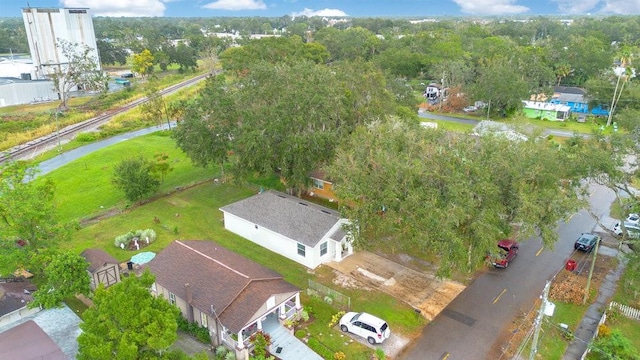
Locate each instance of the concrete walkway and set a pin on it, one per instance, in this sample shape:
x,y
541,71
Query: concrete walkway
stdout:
x,y
587,328
285,345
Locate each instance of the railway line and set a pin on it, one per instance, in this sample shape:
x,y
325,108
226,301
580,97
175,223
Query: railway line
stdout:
x,y
49,141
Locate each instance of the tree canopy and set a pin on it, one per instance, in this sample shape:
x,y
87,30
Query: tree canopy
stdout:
x,y
454,195
127,322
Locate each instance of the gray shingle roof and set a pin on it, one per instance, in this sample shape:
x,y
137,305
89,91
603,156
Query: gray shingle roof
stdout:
x,y
235,286
297,219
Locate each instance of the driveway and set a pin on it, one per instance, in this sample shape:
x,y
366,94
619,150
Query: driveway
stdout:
x,y
419,289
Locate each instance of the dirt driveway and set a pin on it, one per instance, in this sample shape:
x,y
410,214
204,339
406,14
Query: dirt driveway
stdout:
x,y
420,289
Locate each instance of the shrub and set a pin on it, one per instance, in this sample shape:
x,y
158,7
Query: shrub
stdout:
x,y
142,235
604,330
339,356
194,329
300,334
86,137
335,319
320,348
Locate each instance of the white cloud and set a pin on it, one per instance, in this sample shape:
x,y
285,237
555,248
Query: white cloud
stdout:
x,y
117,8
236,5
577,6
490,7
324,12
626,7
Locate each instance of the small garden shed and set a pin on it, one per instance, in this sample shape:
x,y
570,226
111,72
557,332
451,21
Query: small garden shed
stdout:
x,y
103,268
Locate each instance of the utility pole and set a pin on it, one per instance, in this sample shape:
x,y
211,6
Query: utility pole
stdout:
x,y
536,334
593,264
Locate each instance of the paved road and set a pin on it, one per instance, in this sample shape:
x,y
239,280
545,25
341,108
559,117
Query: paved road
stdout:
x,y
477,324
47,166
432,116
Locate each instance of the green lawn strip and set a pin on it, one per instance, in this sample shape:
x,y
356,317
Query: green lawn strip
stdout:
x,y
630,328
84,188
553,343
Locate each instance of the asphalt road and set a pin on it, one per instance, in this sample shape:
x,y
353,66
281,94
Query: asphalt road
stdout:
x,y
432,116
478,323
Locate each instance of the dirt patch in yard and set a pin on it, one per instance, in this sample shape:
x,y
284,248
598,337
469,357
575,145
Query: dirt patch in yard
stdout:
x,y
418,288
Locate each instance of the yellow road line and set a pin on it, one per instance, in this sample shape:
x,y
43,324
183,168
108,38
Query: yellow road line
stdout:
x,y
498,298
539,251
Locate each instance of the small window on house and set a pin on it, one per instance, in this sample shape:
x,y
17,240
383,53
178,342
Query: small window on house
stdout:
x,y
318,184
323,248
172,298
203,319
302,250
271,302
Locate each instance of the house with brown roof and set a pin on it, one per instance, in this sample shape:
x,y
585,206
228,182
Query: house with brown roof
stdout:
x,y
300,230
15,296
28,341
103,268
225,292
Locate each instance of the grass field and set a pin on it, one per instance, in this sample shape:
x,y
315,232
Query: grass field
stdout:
x,y
84,190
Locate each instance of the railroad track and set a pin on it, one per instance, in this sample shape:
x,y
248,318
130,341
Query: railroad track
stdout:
x,y
49,141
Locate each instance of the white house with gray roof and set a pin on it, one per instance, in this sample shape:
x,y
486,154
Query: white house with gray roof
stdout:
x,y
302,231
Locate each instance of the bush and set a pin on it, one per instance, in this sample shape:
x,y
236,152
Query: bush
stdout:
x,y
320,348
142,235
335,319
194,329
339,356
86,137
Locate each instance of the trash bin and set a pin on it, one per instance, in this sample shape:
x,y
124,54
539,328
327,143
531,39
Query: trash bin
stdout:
x,y
130,265
571,265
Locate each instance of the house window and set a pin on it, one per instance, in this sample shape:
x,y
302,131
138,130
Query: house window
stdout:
x,y
318,184
172,298
302,250
323,248
203,319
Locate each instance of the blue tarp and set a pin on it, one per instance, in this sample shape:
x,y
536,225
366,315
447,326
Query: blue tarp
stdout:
x,y
143,257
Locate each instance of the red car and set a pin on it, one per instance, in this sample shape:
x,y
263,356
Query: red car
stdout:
x,y
508,249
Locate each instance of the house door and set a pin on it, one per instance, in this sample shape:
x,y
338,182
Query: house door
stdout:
x,y
107,276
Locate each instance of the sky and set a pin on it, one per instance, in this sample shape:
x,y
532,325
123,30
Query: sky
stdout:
x,y
351,8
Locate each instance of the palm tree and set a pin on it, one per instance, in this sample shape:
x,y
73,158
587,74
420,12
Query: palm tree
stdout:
x,y
626,55
562,71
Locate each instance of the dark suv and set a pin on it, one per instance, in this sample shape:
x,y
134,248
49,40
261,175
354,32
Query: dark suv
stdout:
x,y
586,242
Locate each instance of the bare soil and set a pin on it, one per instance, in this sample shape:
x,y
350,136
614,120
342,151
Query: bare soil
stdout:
x,y
418,288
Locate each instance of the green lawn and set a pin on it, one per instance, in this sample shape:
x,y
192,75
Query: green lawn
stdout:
x,y
553,342
83,189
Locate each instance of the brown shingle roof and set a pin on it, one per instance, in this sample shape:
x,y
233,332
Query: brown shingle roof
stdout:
x,y
29,342
97,258
235,286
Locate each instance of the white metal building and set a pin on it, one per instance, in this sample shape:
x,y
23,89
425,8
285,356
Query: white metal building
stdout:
x,y
46,26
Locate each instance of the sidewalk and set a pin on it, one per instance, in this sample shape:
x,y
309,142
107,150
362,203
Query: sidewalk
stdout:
x,y
587,328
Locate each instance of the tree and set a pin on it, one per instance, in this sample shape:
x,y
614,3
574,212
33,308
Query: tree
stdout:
x,y
135,177
143,63
127,322
454,195
27,215
81,70
65,275
502,83
276,119
110,53
155,106
614,346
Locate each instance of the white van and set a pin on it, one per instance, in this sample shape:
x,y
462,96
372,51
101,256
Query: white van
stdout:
x,y
633,229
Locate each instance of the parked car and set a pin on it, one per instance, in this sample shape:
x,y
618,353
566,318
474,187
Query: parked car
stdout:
x,y
586,242
633,230
633,219
508,249
469,109
367,326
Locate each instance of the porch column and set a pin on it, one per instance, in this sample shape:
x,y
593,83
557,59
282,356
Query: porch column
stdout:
x,y
259,323
298,306
283,312
349,248
338,251
240,344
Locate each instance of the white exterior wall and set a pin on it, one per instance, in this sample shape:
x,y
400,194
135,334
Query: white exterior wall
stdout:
x,y
19,92
44,26
277,243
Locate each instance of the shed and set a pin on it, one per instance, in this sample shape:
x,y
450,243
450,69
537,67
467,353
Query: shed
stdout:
x,y
103,268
